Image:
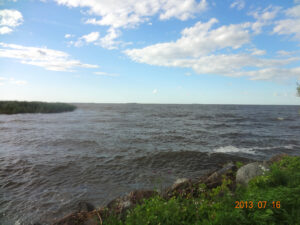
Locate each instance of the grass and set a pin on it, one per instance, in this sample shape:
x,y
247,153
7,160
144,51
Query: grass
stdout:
x,y
15,107
280,185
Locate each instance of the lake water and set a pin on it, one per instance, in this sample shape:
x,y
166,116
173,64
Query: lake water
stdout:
x,y
51,162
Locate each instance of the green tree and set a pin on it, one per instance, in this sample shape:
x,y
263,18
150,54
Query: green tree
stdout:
x,y
298,89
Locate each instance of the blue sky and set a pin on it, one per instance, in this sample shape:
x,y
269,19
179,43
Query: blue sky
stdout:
x,y
150,51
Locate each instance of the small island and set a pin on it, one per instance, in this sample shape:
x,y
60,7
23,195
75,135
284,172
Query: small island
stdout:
x,y
16,107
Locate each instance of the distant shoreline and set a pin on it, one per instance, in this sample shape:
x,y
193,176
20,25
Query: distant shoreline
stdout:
x,y
18,107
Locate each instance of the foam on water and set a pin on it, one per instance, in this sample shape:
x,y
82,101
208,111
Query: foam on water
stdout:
x,y
252,150
233,149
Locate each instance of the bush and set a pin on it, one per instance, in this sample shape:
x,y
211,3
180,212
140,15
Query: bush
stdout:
x,y
217,206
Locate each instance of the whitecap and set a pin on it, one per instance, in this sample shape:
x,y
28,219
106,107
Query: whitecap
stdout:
x,y
234,149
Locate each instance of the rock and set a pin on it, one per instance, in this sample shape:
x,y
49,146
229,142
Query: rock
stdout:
x,y
83,218
181,187
139,195
179,182
85,207
228,168
121,204
72,219
216,178
249,171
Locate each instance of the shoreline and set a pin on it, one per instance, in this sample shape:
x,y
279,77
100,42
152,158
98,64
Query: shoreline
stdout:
x,y
183,187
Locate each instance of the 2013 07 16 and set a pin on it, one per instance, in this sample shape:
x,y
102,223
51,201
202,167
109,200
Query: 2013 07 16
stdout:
x,y
259,204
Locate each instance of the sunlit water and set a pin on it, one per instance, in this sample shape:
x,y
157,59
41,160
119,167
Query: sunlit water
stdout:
x,y
51,162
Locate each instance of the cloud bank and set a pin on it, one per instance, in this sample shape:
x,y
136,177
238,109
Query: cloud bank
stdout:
x,y
42,57
202,48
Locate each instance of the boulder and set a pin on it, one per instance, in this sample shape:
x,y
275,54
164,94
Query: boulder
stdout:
x,y
181,186
84,218
179,182
72,219
121,204
249,171
85,207
216,178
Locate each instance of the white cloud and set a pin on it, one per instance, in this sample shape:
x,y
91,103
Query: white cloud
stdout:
x,y
108,41
289,26
154,91
68,36
258,52
198,40
233,65
42,57
199,48
264,17
120,13
106,74
91,37
9,19
181,9
285,53
274,73
88,38
293,12
239,4
5,30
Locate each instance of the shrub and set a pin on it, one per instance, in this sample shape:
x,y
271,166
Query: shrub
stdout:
x,y
217,206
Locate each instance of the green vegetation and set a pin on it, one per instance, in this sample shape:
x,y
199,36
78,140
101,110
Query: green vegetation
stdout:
x,y
14,107
298,90
271,199
239,164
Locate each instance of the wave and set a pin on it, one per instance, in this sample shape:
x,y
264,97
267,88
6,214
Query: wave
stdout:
x,y
250,150
187,160
294,127
233,149
276,119
238,135
203,117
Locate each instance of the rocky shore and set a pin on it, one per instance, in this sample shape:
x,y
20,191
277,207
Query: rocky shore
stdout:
x,y
87,214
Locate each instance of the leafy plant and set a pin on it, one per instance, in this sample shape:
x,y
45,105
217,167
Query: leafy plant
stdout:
x,y
279,188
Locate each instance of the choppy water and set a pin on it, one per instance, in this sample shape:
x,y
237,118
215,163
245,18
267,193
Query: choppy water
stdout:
x,y
50,162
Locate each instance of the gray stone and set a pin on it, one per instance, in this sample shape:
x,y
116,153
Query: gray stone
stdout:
x,y
179,181
123,203
229,167
85,207
249,171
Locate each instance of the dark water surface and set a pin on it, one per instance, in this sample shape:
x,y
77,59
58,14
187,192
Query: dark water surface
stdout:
x,y
50,162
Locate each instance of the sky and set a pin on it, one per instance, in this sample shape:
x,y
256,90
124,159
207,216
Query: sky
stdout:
x,y
150,51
